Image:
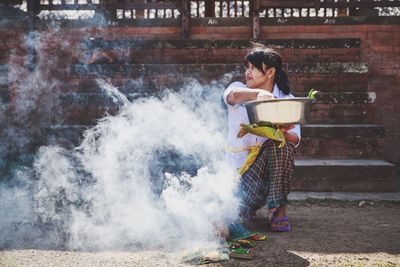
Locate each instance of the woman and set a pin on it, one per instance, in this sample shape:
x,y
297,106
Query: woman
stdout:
x,y
266,181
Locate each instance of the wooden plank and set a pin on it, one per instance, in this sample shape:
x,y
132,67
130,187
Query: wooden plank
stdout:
x,y
362,4
33,7
137,5
141,5
288,3
185,16
236,8
69,7
13,2
326,4
140,12
256,20
135,43
210,9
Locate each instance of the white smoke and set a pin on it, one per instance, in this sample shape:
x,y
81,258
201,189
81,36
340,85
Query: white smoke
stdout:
x,y
152,176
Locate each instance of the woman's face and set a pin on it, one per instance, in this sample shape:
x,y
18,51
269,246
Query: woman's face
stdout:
x,y
254,77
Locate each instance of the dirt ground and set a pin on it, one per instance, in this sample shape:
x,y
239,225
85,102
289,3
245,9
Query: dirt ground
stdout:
x,y
325,233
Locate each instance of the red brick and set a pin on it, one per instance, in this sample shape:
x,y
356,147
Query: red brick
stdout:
x,y
301,52
138,30
287,29
224,55
241,29
266,35
342,29
381,35
271,29
379,81
212,30
285,51
198,30
204,35
353,51
318,28
164,30
389,48
362,28
379,28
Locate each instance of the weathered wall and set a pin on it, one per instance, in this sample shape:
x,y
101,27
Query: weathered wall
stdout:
x,y
380,50
355,63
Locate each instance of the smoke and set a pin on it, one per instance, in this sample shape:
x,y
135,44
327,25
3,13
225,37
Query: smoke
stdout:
x,y
153,176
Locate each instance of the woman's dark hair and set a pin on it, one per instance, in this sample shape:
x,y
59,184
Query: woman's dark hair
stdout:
x,y
260,55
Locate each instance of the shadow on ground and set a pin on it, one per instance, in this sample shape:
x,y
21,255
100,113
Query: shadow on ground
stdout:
x,y
327,228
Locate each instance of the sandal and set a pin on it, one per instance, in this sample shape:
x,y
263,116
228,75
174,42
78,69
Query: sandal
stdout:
x,y
280,224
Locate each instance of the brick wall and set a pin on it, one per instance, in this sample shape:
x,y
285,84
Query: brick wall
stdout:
x,y
379,49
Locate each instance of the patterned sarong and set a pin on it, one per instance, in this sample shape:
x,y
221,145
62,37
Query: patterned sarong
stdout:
x,y
267,181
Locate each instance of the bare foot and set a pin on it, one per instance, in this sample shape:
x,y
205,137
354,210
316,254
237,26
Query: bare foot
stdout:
x,y
279,212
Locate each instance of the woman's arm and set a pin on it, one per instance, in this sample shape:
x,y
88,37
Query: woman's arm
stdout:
x,y
291,137
238,96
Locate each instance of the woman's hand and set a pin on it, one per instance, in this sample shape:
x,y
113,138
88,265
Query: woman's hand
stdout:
x,y
285,128
264,95
291,137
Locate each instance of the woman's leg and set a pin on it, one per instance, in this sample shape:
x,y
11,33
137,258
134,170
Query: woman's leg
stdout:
x,y
279,221
281,172
267,181
253,187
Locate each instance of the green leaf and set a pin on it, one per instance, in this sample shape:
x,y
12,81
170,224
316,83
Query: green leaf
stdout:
x,y
312,93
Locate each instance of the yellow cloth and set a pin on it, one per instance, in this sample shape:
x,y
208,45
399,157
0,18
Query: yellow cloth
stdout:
x,y
251,157
262,131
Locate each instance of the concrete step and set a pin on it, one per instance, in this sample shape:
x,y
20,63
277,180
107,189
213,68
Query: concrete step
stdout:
x,y
350,175
342,108
328,77
326,141
346,196
204,70
322,98
325,83
311,174
342,141
345,82
142,44
330,108
134,50
341,113
318,140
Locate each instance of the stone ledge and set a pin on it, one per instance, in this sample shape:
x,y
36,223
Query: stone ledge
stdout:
x,y
318,21
344,196
327,67
342,162
136,70
204,22
99,98
137,43
344,175
342,97
343,130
